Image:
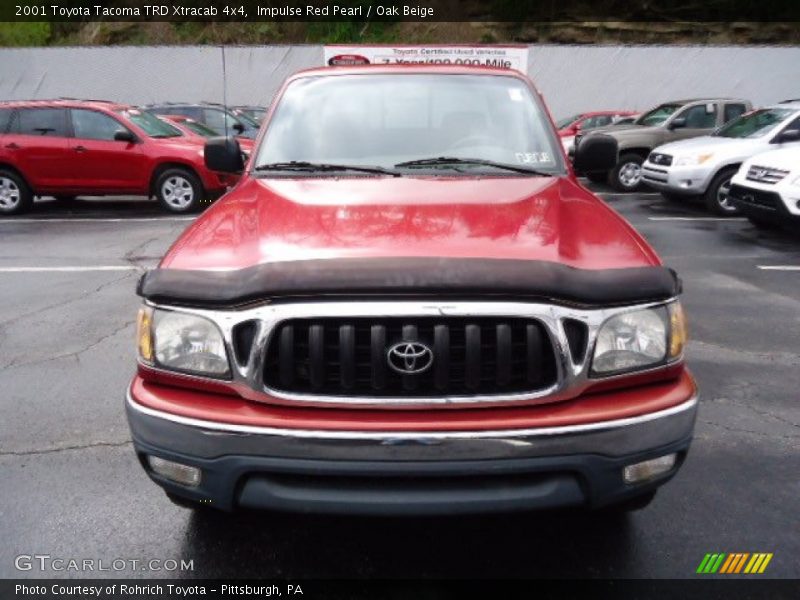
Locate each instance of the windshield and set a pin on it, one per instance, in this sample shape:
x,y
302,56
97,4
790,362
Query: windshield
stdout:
x,y
382,120
658,115
567,122
151,124
199,128
754,124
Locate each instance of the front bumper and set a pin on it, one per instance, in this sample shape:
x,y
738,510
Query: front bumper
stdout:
x,y
687,180
767,203
372,472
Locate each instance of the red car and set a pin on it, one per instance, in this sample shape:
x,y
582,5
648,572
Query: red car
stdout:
x,y
408,304
199,132
68,148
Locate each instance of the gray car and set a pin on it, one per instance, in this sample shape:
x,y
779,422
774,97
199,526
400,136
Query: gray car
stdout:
x,y
665,123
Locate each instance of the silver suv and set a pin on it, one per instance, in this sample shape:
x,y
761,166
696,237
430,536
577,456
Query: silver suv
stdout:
x,y
665,123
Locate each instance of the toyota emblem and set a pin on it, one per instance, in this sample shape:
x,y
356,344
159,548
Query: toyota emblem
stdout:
x,y
408,358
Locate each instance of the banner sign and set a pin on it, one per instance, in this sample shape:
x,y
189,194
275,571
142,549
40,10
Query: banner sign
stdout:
x,y
505,57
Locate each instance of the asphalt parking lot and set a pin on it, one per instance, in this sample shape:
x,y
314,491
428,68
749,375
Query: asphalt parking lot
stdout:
x,y
72,488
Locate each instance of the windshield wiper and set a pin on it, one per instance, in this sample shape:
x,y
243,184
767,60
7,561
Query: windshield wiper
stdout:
x,y
444,161
311,167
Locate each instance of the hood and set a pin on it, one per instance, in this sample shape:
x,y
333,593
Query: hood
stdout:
x,y
708,143
786,159
550,219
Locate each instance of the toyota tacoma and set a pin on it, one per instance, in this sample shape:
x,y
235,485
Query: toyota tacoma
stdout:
x,y
408,304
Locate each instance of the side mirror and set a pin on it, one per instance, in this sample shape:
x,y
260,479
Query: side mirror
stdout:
x,y
678,123
596,153
238,127
223,154
789,135
123,135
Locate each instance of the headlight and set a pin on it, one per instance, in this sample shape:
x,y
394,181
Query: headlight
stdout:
x,y
697,159
182,342
639,339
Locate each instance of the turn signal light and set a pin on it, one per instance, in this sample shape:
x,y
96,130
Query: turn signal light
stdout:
x,y
678,333
144,335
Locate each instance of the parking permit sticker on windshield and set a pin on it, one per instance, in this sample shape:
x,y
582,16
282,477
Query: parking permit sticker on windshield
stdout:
x,y
515,94
533,158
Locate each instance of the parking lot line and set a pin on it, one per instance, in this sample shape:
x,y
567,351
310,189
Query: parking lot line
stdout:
x,y
779,267
89,220
68,269
697,218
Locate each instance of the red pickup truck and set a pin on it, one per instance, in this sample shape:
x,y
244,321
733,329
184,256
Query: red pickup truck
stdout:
x,y
408,304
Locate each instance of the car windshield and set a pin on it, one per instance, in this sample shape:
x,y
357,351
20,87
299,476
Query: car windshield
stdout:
x,y
383,120
150,124
754,124
658,115
199,128
567,122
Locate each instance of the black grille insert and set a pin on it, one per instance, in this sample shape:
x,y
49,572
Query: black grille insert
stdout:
x,y
471,356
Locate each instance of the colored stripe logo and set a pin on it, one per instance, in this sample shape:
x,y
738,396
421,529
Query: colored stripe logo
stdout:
x,y
734,563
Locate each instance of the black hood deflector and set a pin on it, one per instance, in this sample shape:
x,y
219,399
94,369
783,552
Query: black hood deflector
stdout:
x,y
415,276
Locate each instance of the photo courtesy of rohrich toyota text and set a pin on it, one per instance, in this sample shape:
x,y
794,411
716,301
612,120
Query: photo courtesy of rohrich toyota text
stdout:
x,y
417,300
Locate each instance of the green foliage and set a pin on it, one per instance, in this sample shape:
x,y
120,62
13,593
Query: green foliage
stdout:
x,y
24,34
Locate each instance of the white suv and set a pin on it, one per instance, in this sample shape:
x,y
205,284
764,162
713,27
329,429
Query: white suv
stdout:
x,y
704,166
767,187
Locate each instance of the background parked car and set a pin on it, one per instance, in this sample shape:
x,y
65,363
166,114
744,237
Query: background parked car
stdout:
x,y
199,132
254,113
570,126
767,188
215,116
704,166
665,123
67,148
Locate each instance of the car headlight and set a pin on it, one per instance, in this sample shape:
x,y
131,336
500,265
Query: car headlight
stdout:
x,y
181,342
696,159
639,339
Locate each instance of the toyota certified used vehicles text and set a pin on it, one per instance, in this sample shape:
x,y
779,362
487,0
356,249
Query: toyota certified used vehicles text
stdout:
x,y
667,122
767,188
703,166
408,304
69,148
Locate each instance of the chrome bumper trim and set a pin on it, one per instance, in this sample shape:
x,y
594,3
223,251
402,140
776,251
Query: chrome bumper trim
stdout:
x,y
201,438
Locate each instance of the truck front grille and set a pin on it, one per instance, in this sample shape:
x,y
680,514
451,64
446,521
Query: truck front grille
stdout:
x,y
410,357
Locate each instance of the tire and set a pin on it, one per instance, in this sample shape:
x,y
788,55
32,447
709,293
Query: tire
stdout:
x,y
179,191
716,199
632,504
15,195
596,177
627,175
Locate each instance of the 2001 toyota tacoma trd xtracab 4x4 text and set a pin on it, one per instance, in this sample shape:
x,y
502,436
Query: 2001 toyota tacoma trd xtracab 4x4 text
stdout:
x,y
408,304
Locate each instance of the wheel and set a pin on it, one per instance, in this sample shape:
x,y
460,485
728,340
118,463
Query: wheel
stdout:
x,y
596,177
627,175
179,190
716,197
632,504
15,195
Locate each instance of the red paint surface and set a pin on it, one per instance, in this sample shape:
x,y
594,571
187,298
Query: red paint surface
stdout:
x,y
590,408
70,166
